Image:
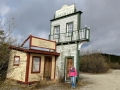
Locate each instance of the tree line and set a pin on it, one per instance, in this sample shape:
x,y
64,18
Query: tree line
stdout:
x,y
111,58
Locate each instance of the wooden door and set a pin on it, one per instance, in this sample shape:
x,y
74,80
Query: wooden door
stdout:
x,y
47,67
69,62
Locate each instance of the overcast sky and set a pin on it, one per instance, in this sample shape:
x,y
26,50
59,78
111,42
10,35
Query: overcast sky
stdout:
x,y
33,16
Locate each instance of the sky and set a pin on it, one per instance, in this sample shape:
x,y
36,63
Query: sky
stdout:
x,y
33,16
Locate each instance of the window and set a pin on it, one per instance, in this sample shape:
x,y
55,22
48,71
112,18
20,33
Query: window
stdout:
x,y
16,60
69,28
35,64
56,31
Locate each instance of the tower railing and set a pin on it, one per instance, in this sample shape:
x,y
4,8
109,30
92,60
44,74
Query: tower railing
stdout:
x,y
76,35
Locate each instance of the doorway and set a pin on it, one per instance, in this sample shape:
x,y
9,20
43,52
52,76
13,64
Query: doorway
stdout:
x,y
68,62
47,67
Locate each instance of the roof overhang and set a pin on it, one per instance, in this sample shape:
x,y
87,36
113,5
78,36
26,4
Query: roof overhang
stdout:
x,y
35,51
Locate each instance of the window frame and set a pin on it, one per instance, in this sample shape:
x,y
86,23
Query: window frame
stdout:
x,y
18,61
56,34
69,34
32,68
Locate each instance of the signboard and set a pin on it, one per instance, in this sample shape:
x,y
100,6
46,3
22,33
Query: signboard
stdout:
x,y
43,43
65,10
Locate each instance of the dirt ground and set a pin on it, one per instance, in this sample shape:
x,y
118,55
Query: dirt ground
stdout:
x,y
107,81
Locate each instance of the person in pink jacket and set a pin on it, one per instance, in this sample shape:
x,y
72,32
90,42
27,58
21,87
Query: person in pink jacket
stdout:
x,y
72,75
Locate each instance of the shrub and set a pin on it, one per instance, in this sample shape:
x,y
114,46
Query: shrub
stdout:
x,y
93,63
114,65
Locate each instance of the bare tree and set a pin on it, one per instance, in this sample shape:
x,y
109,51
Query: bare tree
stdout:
x,y
6,40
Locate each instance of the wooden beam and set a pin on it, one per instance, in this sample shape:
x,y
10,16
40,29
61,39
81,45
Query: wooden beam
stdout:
x,y
25,41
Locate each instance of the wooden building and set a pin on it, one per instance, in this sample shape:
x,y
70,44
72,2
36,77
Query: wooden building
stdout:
x,y
36,62
53,57
66,31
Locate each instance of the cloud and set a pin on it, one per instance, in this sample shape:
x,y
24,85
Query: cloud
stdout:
x,y
4,10
102,16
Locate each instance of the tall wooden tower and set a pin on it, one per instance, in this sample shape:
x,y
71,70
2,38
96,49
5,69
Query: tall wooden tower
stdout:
x,y
65,30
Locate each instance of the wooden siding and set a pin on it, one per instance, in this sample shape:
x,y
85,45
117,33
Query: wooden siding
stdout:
x,y
53,67
37,76
17,72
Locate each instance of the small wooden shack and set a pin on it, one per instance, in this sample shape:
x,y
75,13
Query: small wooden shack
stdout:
x,y
36,62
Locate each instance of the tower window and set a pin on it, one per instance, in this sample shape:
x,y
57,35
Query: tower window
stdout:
x,y
56,29
69,28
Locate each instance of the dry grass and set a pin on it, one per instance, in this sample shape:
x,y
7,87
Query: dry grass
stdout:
x,y
63,86
12,85
42,85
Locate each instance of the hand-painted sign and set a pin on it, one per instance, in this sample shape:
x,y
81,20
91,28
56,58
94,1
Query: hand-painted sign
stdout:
x,y
43,43
65,10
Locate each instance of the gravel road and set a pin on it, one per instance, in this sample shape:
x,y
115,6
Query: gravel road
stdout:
x,y
108,81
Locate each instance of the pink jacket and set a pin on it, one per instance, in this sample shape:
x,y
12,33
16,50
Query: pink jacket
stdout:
x,y
72,72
